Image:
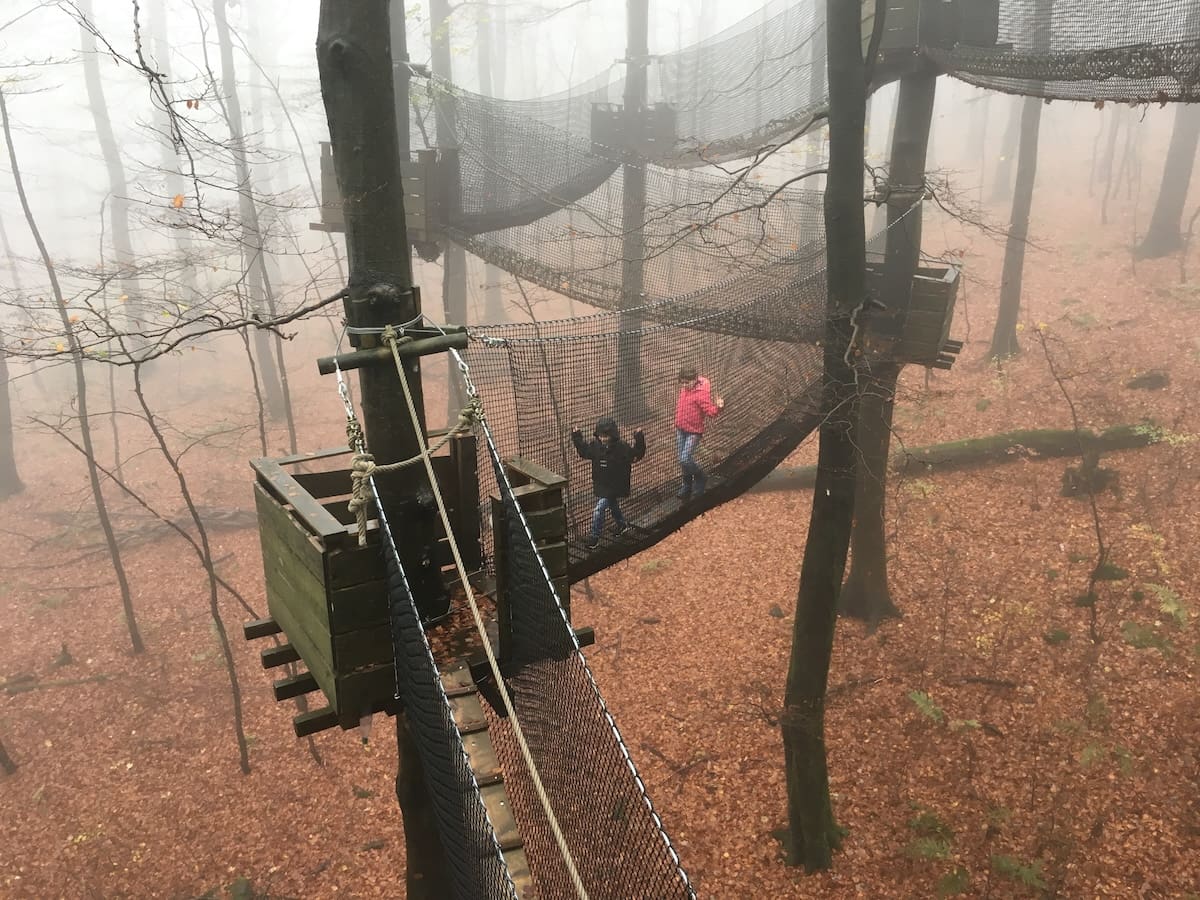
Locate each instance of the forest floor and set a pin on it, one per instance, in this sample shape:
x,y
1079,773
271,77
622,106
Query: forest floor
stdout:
x,y
982,744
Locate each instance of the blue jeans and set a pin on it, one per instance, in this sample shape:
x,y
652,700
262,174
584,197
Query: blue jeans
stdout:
x,y
602,506
685,449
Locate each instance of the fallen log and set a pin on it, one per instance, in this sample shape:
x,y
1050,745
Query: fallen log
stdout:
x,y
1042,443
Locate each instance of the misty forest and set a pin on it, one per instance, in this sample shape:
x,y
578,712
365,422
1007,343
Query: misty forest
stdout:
x,y
626,449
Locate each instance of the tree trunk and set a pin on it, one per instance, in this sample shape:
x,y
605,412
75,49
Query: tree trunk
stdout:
x,y
81,401
866,595
1164,235
1110,157
1004,338
354,63
454,257
812,833
10,481
493,299
1002,187
139,315
175,186
629,400
252,238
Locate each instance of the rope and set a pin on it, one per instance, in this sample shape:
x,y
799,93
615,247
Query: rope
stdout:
x,y
363,464
390,337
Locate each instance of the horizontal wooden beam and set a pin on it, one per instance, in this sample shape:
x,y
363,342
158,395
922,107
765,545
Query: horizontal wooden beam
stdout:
x,y
315,720
296,686
260,628
273,657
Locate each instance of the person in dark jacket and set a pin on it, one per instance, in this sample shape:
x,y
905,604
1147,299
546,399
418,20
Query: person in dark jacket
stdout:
x,y
612,462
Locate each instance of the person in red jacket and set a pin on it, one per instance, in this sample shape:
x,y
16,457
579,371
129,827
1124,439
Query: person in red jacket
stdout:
x,y
695,405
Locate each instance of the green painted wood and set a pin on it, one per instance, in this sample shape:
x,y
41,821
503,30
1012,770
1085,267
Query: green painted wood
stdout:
x,y
547,524
532,472
358,606
533,497
306,509
322,485
279,532
363,648
365,691
555,558
464,458
353,564
300,622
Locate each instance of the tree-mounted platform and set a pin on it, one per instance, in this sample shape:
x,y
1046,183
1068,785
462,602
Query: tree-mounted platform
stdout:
x,y
920,332
327,594
417,178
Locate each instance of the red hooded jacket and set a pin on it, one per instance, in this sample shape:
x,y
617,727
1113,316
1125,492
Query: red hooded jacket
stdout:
x,y
695,404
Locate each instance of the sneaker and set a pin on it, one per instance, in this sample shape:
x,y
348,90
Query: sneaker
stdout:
x,y
623,530
700,484
591,542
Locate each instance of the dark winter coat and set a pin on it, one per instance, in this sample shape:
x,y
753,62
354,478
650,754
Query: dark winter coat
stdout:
x,y
610,464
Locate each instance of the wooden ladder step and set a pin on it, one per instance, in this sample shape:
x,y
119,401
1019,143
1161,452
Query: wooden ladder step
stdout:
x,y
273,657
296,686
315,720
261,628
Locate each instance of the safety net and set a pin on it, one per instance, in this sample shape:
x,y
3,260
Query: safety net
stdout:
x,y
1131,51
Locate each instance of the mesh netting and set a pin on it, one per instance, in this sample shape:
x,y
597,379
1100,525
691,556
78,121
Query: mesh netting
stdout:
x,y
616,839
473,855
1135,50
539,380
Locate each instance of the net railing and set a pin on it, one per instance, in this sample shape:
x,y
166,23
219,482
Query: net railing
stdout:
x,y
617,840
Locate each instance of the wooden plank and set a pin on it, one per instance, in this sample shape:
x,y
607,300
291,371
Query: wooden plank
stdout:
x,y
296,600
547,523
365,691
310,456
500,563
555,558
353,564
358,606
499,812
295,686
278,532
315,518
585,635
562,587
315,720
260,628
537,473
532,497
457,681
518,870
363,648
273,657
465,522
482,757
468,714
322,485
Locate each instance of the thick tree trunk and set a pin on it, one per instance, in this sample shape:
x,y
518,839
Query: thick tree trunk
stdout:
x,y
81,396
354,63
493,299
866,595
118,187
10,481
812,833
252,237
1004,338
454,257
629,400
1165,235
